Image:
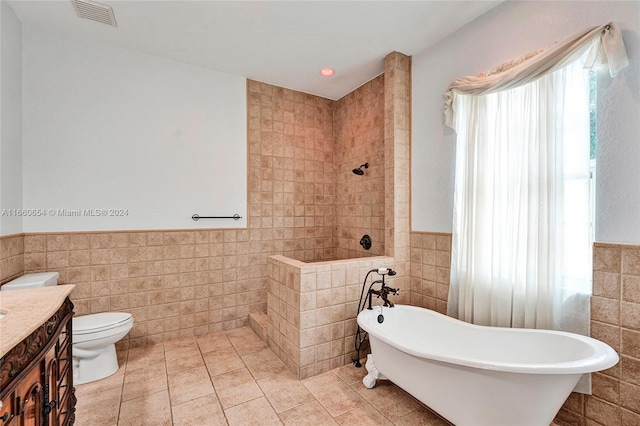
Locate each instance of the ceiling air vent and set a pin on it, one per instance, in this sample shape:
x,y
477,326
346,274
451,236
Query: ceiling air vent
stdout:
x,y
95,11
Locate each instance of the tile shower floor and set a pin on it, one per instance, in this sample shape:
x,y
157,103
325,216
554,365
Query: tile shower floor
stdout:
x,y
233,378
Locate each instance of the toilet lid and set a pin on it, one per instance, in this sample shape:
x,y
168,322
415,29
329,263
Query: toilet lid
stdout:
x,y
84,324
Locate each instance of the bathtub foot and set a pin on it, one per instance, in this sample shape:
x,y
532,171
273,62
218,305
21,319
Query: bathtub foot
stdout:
x,y
369,381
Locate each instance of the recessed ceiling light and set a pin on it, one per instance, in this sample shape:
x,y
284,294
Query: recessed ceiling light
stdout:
x,y
326,72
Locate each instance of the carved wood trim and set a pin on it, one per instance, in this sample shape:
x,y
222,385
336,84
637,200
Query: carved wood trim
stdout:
x,y
71,410
19,359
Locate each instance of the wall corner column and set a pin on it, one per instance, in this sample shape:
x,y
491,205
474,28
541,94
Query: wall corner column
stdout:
x,y
397,145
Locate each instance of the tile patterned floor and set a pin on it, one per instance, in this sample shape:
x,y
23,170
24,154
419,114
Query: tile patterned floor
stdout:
x,y
233,378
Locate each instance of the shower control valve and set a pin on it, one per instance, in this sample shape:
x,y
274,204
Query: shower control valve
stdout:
x,y
366,242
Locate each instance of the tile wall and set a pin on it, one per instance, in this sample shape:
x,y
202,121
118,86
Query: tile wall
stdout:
x,y
11,257
430,270
359,138
175,283
312,310
397,155
291,171
615,319
305,346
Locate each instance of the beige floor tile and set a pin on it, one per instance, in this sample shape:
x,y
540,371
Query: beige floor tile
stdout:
x,y
256,412
144,381
248,343
336,396
145,356
114,381
213,342
351,374
263,363
204,411
311,414
183,359
235,387
186,343
196,381
189,384
98,409
284,391
148,410
389,399
365,415
421,417
222,361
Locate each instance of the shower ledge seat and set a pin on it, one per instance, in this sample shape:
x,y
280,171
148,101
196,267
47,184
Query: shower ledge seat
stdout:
x,y
258,322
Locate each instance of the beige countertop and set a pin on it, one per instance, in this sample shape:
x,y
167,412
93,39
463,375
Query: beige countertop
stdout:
x,y
26,310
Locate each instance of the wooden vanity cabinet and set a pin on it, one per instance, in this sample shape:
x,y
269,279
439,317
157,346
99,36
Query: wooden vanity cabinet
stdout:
x,y
36,376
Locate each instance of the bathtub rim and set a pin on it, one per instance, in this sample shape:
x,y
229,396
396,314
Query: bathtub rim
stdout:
x,y
604,356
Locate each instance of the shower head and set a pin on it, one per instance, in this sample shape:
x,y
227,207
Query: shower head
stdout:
x,y
359,170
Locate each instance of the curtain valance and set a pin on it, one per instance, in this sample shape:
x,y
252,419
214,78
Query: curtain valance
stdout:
x,y
604,43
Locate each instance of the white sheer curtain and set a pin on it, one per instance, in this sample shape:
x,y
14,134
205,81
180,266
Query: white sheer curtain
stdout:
x,y
521,238
521,241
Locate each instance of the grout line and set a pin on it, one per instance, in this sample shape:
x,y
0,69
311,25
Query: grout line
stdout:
x,y
166,374
124,375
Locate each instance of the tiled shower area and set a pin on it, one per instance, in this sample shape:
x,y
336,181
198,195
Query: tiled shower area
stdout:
x,y
312,309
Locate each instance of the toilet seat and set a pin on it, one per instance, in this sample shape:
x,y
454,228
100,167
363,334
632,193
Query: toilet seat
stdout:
x,y
94,323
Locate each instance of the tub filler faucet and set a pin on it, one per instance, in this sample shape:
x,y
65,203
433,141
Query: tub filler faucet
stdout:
x,y
384,291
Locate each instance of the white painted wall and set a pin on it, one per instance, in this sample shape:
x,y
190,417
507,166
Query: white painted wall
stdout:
x,y
108,128
10,120
506,32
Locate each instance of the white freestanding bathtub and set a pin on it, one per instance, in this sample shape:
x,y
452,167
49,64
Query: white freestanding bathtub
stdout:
x,y
479,376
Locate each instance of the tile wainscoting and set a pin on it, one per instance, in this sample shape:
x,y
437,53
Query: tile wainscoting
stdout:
x,y
615,319
11,257
175,283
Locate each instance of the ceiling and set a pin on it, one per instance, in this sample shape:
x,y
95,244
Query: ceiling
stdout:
x,y
285,43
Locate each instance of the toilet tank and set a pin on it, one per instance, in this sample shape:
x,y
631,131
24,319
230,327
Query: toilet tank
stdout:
x,y
40,279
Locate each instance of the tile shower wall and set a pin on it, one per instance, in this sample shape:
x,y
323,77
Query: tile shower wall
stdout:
x,y
312,309
302,149
11,257
615,319
294,332
291,171
359,137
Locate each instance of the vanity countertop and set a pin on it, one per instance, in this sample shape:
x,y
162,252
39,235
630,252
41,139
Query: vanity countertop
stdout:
x,y
26,310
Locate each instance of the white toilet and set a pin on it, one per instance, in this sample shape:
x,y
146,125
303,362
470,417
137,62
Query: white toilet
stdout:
x,y
94,336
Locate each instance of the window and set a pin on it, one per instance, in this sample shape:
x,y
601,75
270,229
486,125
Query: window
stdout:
x,y
523,204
